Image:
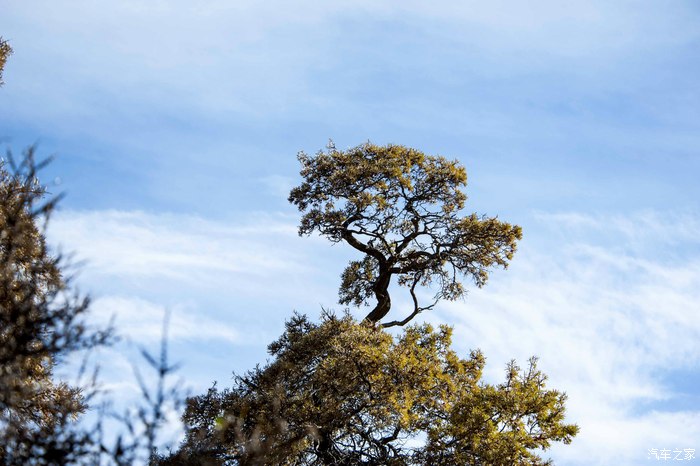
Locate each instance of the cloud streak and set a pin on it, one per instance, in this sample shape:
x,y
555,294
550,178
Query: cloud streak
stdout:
x,y
142,321
182,248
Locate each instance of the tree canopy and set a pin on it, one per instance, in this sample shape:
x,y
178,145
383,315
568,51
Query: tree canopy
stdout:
x,y
404,211
343,393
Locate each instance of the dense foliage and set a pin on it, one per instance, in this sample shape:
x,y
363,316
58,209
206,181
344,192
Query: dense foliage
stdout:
x,y
43,320
343,393
403,210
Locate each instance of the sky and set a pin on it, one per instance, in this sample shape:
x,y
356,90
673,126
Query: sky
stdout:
x,y
175,126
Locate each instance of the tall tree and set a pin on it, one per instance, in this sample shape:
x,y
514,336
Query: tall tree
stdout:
x,y
347,393
404,211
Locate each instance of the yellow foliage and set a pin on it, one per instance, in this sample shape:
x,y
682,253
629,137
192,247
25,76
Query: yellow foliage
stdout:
x,y
402,210
340,392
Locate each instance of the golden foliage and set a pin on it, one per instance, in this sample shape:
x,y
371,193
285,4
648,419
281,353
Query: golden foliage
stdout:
x,y
343,393
403,210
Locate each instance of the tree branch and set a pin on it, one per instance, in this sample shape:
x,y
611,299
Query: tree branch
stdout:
x,y
416,308
360,246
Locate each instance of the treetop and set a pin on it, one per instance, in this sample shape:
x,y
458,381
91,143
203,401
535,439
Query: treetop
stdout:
x,y
403,210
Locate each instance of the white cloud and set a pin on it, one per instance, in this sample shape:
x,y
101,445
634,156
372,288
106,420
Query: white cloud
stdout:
x,y
181,248
142,321
244,271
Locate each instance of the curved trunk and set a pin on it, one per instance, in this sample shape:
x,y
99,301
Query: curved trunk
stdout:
x,y
381,286
381,292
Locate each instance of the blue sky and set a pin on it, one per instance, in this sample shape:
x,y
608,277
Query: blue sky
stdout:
x,y
176,126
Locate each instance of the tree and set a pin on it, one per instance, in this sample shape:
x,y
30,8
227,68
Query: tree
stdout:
x,y
5,52
343,393
347,393
41,321
403,210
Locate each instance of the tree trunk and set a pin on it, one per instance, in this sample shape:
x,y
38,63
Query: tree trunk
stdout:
x,y
381,293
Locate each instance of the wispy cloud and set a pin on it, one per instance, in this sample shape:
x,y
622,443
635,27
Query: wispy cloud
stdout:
x,y
261,59
177,94
142,321
579,107
183,248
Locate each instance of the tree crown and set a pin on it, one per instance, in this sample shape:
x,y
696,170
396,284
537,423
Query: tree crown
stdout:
x,y
404,211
